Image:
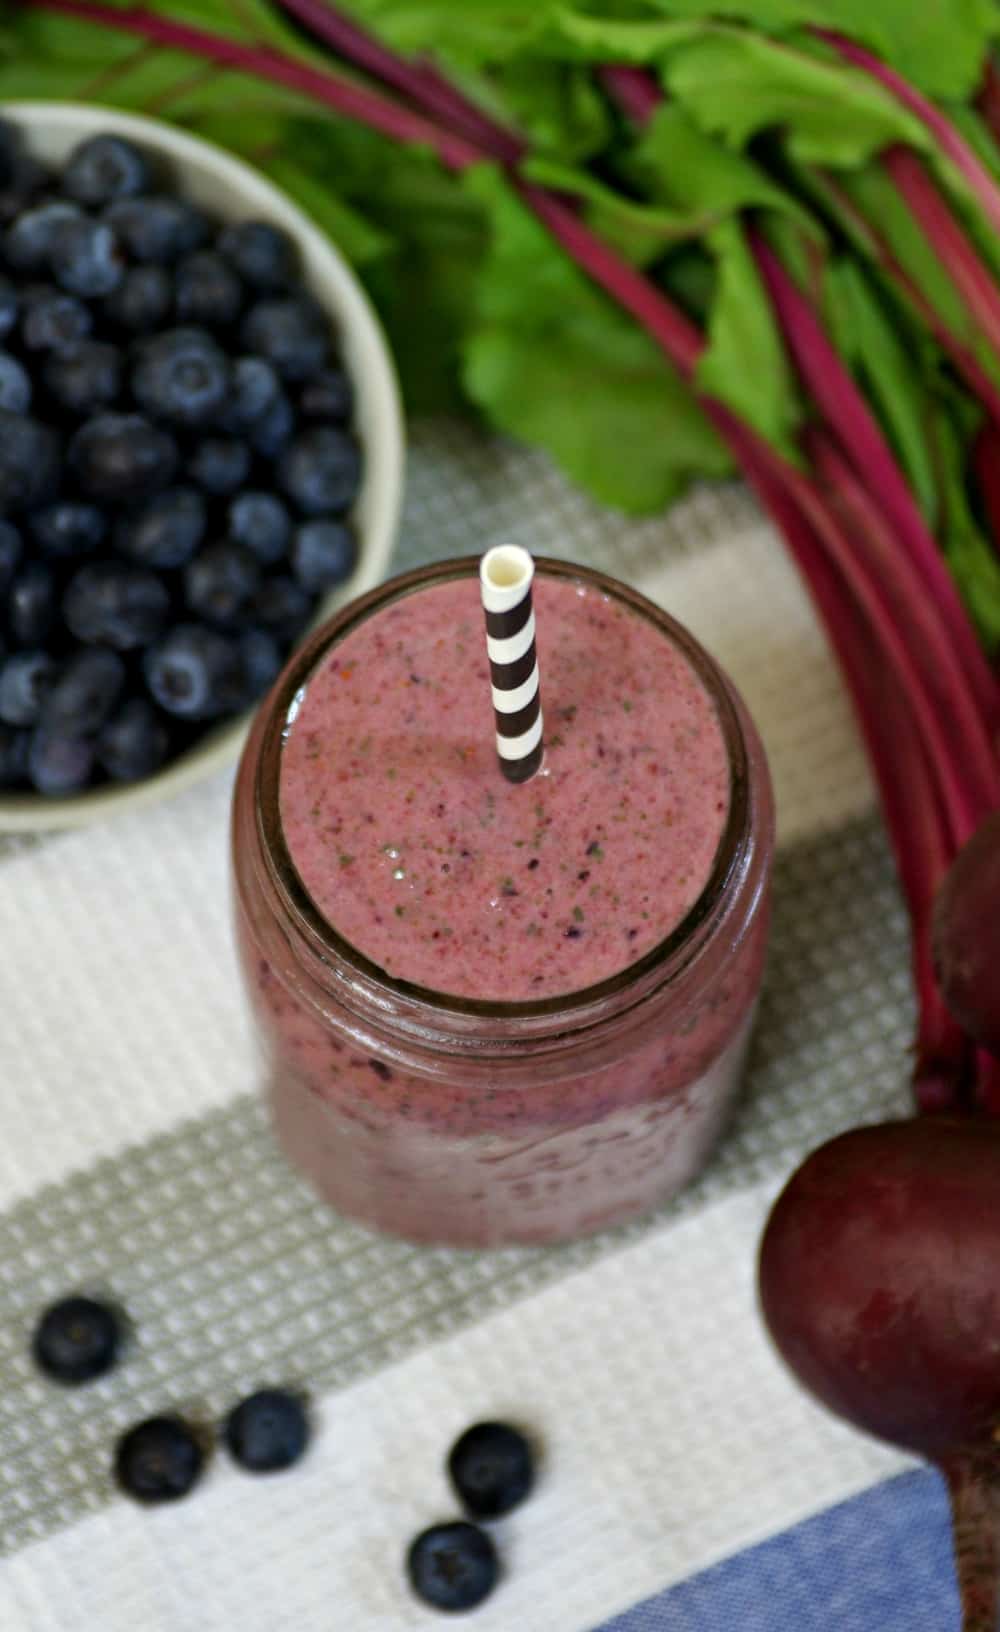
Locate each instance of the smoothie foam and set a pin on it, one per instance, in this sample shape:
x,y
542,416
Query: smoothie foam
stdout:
x,y
417,851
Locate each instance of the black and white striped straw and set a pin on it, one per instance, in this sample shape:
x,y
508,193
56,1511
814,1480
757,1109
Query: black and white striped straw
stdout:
x,y
505,575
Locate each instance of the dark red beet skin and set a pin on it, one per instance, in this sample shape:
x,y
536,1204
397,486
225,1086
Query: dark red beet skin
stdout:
x,y
880,1281
966,936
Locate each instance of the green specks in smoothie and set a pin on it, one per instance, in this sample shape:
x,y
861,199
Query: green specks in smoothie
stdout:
x,y
578,914
507,887
568,713
345,860
596,850
399,911
626,705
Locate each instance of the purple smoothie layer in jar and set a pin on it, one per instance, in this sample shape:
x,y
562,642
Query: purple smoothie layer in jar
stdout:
x,y
501,1013
419,853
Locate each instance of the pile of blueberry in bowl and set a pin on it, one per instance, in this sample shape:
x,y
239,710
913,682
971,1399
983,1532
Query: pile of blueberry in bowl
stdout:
x,y
182,471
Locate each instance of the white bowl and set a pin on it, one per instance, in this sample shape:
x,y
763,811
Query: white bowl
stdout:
x,y
233,191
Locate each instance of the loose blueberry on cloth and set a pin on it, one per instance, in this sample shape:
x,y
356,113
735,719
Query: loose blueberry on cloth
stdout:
x,y
177,466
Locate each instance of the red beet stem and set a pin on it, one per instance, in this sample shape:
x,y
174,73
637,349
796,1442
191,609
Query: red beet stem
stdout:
x,y
974,1491
421,82
966,363
911,628
973,280
673,332
634,90
345,96
986,463
947,138
910,801
855,426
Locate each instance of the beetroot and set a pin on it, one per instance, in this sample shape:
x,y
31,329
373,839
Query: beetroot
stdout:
x,y
880,1284
880,1280
966,936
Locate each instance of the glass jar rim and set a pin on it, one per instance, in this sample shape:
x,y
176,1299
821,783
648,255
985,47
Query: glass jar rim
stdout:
x,y
663,960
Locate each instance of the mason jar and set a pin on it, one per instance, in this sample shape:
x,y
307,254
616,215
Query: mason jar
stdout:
x,y
473,1122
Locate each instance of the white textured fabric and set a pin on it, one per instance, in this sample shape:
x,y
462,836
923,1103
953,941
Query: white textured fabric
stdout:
x,y
670,1434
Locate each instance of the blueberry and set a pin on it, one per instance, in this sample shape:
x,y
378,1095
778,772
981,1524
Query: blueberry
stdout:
x,y
158,1460
104,168
268,1431
260,656
9,306
254,389
85,694
13,757
220,465
261,522
51,319
292,333
113,603
166,531
182,376
207,291
122,457
84,377
76,1340
491,1468
323,554
15,386
194,673
26,679
29,462
142,301
273,430
330,397
219,583
134,743
11,546
31,604
262,254
27,243
24,179
452,1566
156,228
59,765
86,258
320,470
282,606
68,528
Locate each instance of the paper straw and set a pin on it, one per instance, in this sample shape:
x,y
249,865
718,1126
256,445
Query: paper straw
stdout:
x,y
505,575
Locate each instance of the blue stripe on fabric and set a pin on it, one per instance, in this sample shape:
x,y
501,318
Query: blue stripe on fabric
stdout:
x,y
880,1562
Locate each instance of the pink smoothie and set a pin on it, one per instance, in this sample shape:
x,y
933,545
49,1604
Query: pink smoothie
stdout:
x,y
417,851
370,782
